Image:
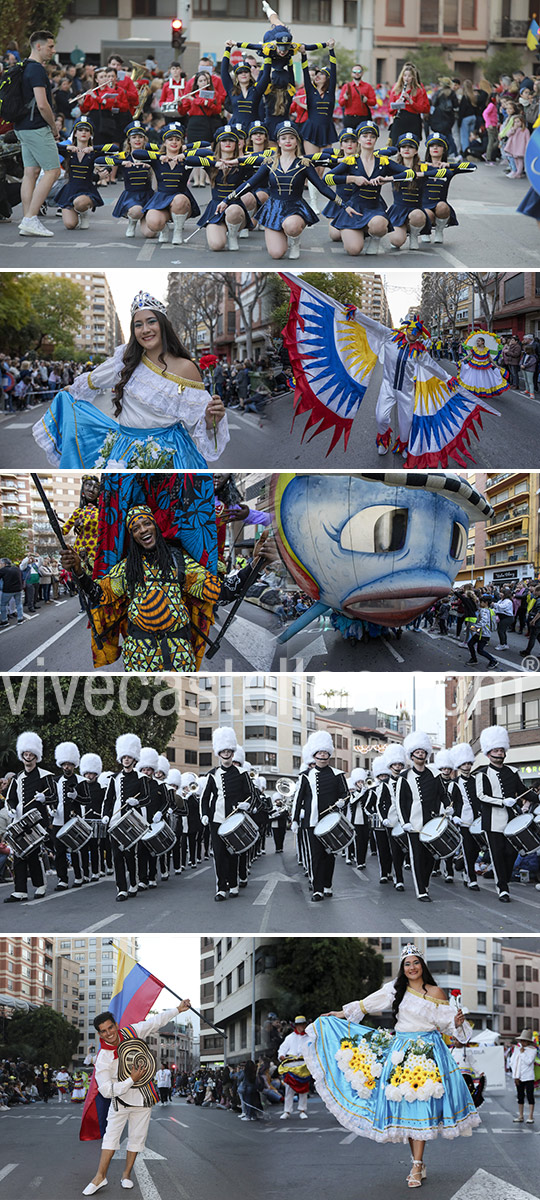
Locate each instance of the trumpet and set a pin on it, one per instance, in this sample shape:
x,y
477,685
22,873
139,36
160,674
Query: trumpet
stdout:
x,y
193,787
285,787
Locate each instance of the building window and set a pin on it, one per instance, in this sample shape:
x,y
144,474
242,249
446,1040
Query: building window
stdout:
x,y
296,738
394,12
482,997
205,734
514,289
450,20
231,1037
243,1032
190,756
429,16
144,8
312,12
241,974
506,997
507,1024
468,14
520,973
261,731
228,983
296,762
481,972
191,728
218,993
506,970
520,999
205,760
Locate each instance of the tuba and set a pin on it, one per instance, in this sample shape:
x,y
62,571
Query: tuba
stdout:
x,y
138,71
285,787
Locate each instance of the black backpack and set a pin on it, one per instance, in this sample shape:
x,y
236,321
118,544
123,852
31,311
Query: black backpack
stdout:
x,y
12,105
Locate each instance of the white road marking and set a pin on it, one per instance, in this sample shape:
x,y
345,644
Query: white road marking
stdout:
x,y
269,887
176,1121
146,252
63,1120
483,1186
351,1137
20,425
45,645
393,651
100,924
7,1170
256,644
148,1188
412,926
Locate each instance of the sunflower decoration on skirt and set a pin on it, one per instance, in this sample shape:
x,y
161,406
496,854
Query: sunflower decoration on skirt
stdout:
x,y
416,1075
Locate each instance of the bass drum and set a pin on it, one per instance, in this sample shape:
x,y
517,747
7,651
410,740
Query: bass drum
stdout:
x,y
523,833
239,832
334,831
440,837
159,839
75,833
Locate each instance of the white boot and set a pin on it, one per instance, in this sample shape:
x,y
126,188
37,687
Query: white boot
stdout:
x,y
372,245
84,220
440,226
131,227
164,235
294,247
232,236
244,233
313,197
179,220
267,9
414,234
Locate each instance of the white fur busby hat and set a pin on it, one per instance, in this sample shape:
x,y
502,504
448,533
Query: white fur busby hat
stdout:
x,y
224,738
417,741
493,738
31,742
187,778
174,778
128,744
462,753
307,756
358,775
260,782
163,764
67,752
395,753
148,758
320,740
105,778
90,762
240,755
380,766
443,758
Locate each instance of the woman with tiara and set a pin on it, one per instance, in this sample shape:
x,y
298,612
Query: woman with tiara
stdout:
x,y
401,1086
146,406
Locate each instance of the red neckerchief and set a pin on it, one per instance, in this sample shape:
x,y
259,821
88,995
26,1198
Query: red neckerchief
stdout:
x,y
301,1032
105,1046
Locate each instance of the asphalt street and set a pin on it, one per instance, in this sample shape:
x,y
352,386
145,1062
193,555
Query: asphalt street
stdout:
x,y
56,638
194,1154
276,900
490,231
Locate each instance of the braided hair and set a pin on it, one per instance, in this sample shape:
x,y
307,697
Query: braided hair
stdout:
x,y
162,555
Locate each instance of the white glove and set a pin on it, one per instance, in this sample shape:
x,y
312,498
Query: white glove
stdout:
x,y
294,826
133,800
457,820
184,824
508,801
71,795
340,804
204,820
243,806
408,827
387,824
157,817
105,820
40,797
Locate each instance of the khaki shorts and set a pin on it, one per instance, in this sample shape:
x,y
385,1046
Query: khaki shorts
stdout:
x,y
39,148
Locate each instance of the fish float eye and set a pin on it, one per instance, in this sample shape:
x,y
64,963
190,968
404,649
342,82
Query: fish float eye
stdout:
x,y
458,544
381,529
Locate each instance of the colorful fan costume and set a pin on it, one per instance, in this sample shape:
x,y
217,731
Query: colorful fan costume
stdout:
x,y
334,350
161,424
391,1087
478,372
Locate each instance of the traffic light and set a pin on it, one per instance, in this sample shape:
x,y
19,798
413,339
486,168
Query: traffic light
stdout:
x,y
178,39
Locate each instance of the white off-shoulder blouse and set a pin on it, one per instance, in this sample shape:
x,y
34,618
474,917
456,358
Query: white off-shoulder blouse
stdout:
x,y
417,1014
153,399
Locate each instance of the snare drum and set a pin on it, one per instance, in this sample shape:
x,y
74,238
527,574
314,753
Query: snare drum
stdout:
x,y
25,834
478,833
239,832
126,829
159,839
440,837
75,833
398,833
334,831
523,833
98,828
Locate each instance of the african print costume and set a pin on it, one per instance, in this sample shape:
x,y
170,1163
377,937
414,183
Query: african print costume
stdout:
x,y
84,521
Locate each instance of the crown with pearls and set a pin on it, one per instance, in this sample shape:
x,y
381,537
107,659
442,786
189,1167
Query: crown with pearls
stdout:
x,y
410,948
145,300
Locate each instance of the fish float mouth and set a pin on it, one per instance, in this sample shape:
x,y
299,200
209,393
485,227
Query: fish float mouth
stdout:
x,y
397,609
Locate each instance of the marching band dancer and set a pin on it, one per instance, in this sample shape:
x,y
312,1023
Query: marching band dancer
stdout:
x,y
226,789
293,1047
193,818
80,194
29,789
444,764
377,807
225,224
147,863
420,795
177,818
396,759
465,808
321,789
358,179
408,214
243,96
64,806
358,817
278,48
92,796
138,190
498,788
124,793
320,92
172,200
437,183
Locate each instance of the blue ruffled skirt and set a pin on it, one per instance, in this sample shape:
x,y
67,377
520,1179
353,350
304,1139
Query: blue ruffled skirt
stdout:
x,y
343,220
74,188
75,434
129,197
319,131
373,1115
161,199
398,214
274,211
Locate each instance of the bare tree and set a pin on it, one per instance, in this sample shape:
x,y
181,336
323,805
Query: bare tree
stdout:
x,y
244,292
194,299
486,286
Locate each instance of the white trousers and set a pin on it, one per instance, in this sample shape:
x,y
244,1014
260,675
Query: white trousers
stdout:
x,y
289,1097
138,1120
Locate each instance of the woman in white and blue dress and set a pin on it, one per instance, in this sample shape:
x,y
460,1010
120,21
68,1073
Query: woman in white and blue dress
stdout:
x,y
400,1086
146,406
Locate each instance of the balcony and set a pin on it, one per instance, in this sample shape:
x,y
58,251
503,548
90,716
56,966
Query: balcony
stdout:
x,y
510,515
512,535
508,30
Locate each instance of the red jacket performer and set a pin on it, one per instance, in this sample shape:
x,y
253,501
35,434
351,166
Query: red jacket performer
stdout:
x,y
357,98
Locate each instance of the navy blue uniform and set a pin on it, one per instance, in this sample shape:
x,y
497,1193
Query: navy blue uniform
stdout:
x,y
319,127
285,193
437,183
221,187
81,180
136,176
363,196
171,180
409,195
244,109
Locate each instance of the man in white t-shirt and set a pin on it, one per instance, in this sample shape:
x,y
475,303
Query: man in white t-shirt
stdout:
x,y
522,1068
163,1081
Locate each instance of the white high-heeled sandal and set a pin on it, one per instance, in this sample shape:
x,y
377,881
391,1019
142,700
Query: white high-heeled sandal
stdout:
x,y
413,1181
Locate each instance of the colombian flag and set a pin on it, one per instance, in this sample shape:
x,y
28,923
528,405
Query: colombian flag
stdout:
x,y
533,35
135,991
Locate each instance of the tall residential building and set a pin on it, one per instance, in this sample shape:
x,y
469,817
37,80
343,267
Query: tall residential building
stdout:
x,y
172,1045
15,497
518,303
520,973
505,548
236,981
512,701
66,985
96,960
468,965
19,500
27,969
101,330
374,298
366,734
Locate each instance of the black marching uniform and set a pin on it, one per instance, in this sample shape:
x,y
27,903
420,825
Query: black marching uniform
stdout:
x,y
65,805
378,807
319,791
123,787
466,806
20,799
225,788
91,796
397,852
278,824
420,795
493,787
359,818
